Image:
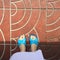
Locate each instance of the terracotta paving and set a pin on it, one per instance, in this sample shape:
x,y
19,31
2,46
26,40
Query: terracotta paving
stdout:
x,y
40,17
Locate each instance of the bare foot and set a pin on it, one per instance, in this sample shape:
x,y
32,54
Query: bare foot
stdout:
x,y
22,48
22,43
33,47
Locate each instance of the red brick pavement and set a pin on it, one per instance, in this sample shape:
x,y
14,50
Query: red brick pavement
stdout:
x,y
40,17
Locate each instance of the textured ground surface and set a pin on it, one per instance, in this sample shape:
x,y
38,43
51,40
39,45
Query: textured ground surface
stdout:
x,y
40,17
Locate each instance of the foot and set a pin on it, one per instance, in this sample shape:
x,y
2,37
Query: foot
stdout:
x,y
33,42
22,42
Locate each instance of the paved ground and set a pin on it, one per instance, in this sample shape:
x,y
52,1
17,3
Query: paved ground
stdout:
x,y
40,17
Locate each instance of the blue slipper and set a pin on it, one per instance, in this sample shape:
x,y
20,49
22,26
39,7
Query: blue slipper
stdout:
x,y
33,39
21,40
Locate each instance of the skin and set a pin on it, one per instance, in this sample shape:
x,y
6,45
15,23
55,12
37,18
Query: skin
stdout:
x,y
22,47
33,46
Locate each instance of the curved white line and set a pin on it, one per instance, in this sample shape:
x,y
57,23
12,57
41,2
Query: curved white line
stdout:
x,y
36,33
15,38
21,18
3,12
52,10
26,22
39,15
29,32
4,44
16,9
56,1
16,44
53,22
37,20
53,29
18,1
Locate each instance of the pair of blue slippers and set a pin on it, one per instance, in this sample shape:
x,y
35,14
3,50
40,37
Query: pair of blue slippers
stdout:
x,y
32,38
